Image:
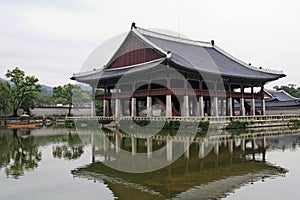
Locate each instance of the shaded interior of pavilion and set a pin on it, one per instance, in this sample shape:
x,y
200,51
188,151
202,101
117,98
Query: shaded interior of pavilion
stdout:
x,y
180,98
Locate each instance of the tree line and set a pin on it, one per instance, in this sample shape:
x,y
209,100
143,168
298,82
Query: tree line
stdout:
x,y
25,92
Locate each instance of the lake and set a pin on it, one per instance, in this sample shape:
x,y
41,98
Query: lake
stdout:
x,y
56,163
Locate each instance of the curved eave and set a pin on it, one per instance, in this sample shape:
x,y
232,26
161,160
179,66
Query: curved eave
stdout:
x,y
94,78
270,77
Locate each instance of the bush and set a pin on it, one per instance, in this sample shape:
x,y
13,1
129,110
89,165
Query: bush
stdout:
x,y
294,123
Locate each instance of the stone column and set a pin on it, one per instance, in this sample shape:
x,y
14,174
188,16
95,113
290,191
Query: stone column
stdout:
x,y
149,106
215,106
197,108
216,148
169,150
149,147
242,102
201,149
118,143
243,145
186,110
93,104
117,108
229,107
222,107
186,146
133,145
168,105
201,106
133,107
253,106
263,105
230,146
105,108
229,102
242,106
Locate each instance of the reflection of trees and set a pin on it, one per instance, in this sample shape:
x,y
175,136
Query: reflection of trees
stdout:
x,y
70,149
17,154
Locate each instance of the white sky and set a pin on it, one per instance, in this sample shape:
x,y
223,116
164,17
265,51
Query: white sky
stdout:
x,y
52,39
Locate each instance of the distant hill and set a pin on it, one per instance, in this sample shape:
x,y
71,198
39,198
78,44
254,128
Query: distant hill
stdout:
x,y
47,89
10,83
86,88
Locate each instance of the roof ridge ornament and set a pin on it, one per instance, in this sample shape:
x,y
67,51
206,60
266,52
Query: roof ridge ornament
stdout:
x,y
133,25
169,54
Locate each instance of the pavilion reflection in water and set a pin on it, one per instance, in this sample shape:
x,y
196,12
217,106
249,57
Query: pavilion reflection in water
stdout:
x,y
210,168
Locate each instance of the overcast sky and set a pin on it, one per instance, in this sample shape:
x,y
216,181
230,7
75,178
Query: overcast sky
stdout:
x,y
52,39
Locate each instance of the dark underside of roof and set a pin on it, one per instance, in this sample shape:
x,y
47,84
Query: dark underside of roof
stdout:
x,y
116,74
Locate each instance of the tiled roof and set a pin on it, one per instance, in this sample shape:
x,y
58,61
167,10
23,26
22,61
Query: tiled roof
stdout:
x,y
188,54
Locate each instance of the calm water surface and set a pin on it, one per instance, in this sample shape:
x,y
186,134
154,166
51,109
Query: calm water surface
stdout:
x,y
58,164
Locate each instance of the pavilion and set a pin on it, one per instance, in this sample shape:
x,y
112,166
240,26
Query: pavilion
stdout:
x,y
171,76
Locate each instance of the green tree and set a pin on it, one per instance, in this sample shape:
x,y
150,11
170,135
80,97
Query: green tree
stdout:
x,y
25,90
45,100
71,95
18,154
5,98
71,150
